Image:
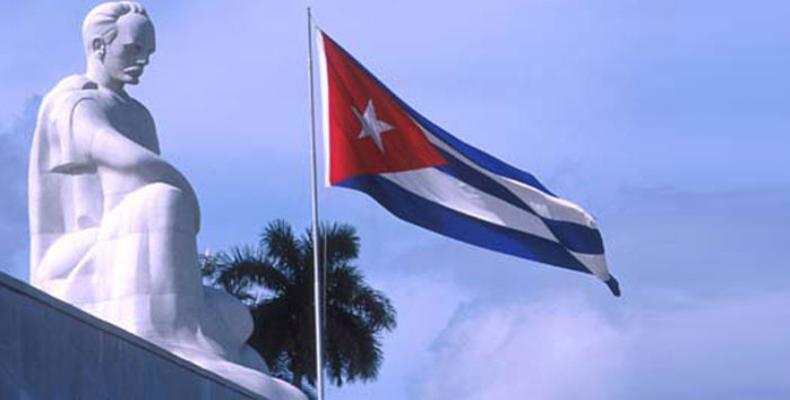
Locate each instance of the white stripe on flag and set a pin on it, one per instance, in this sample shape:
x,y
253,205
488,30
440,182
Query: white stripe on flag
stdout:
x,y
545,205
596,263
447,191
324,84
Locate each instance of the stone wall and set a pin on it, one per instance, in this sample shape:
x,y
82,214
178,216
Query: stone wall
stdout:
x,y
52,350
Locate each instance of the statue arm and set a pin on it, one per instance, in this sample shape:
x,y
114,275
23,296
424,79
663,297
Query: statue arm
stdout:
x,y
130,164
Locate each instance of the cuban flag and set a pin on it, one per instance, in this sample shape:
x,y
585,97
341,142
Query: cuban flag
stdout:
x,y
377,144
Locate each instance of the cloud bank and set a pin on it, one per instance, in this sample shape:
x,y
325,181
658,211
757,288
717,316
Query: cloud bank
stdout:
x,y
547,350
565,348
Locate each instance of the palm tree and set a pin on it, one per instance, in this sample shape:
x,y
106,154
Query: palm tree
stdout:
x,y
275,280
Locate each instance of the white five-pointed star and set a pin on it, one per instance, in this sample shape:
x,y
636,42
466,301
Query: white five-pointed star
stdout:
x,y
371,126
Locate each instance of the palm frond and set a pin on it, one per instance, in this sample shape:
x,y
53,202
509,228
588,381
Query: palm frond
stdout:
x,y
340,241
282,247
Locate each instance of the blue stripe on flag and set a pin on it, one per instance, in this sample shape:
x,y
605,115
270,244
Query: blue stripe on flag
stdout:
x,y
478,156
576,237
432,216
480,181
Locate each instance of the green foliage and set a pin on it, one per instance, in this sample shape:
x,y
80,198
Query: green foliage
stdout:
x,y
275,279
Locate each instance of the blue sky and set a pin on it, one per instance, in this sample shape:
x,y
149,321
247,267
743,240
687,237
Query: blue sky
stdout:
x,y
669,121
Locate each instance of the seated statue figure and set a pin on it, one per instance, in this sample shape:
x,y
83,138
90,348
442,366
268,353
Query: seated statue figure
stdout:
x,y
113,224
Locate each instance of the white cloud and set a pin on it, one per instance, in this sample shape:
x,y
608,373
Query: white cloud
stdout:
x,y
564,348
549,350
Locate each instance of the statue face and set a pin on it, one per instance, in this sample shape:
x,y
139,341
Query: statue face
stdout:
x,y
128,54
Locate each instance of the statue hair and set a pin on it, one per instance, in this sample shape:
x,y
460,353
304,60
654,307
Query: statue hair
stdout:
x,y
101,21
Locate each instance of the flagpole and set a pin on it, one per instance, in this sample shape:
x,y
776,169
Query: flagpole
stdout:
x,y
317,292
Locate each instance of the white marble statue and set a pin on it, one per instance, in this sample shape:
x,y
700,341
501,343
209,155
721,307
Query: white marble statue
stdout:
x,y
113,224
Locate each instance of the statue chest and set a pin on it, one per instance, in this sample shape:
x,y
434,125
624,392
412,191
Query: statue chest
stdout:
x,y
134,122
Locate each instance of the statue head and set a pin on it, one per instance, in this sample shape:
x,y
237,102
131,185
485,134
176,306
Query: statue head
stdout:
x,y
119,40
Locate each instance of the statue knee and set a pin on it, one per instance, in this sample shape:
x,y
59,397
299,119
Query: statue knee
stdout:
x,y
169,207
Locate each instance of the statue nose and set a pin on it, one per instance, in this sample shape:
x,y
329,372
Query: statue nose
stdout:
x,y
142,59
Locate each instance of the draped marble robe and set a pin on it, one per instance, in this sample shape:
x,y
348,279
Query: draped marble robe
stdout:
x,y
113,231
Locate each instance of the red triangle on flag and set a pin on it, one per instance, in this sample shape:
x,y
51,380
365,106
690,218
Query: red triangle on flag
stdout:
x,y
369,132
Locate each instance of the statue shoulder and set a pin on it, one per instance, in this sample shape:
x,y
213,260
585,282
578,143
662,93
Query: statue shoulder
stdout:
x,y
74,85
75,82
57,145
68,92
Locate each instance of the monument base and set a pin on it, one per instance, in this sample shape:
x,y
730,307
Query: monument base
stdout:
x,y
52,350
